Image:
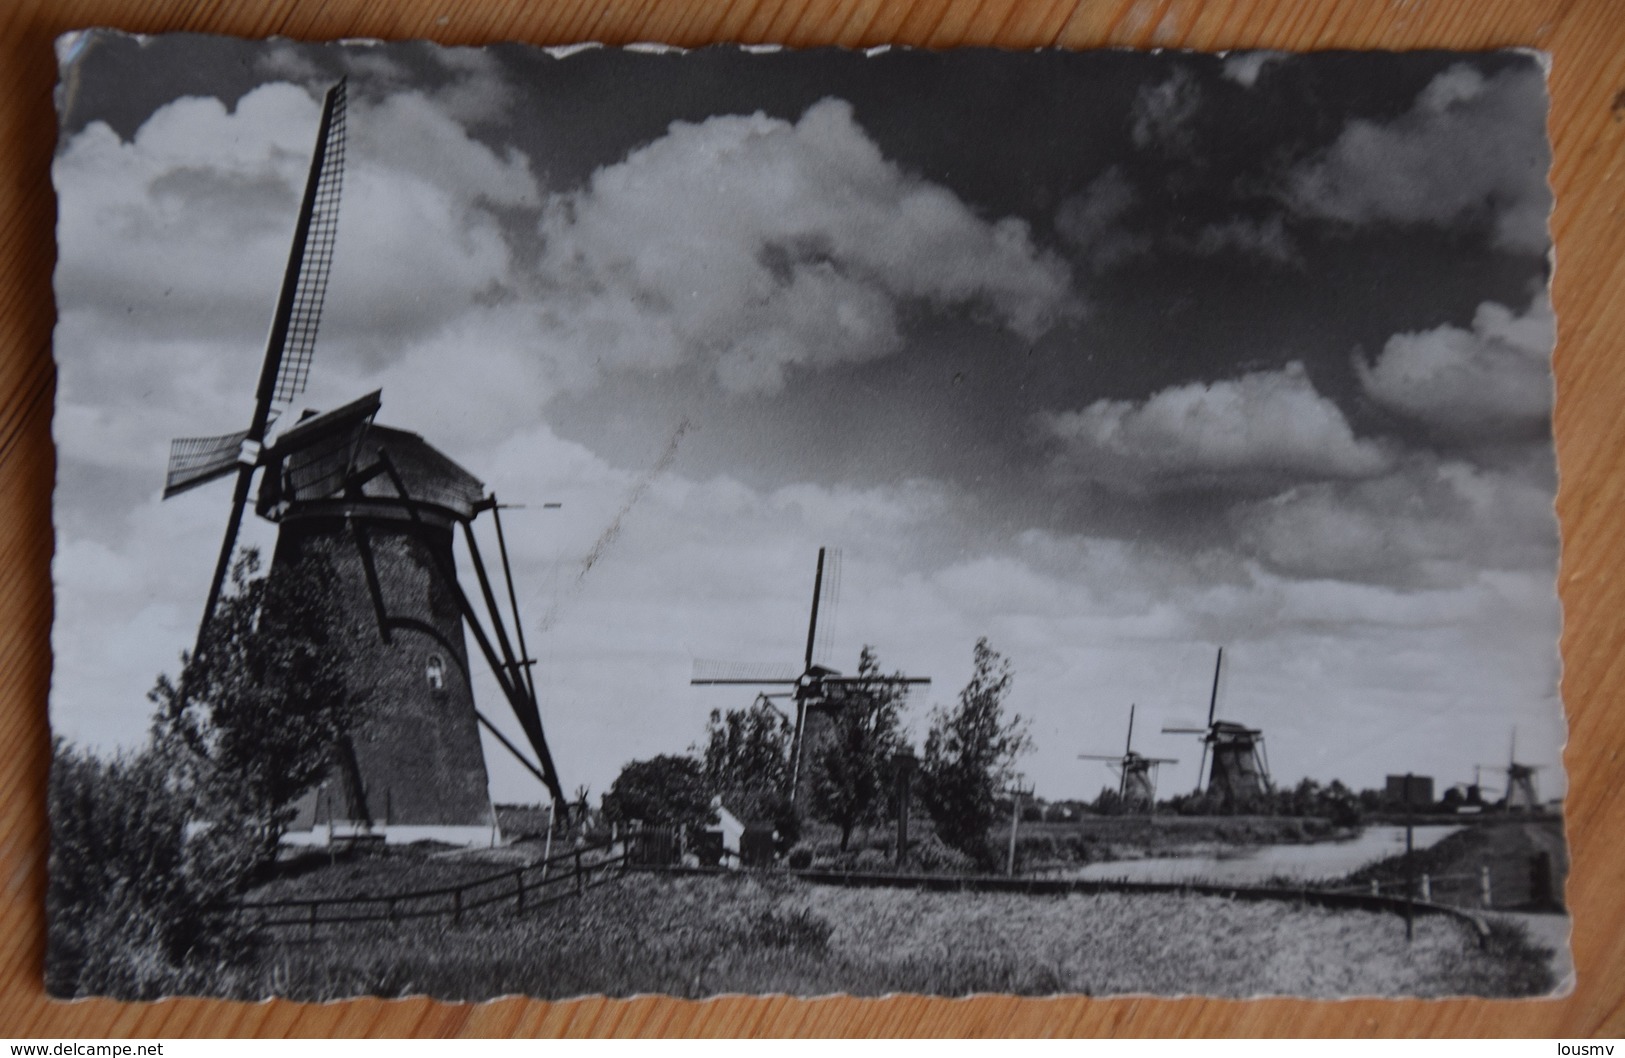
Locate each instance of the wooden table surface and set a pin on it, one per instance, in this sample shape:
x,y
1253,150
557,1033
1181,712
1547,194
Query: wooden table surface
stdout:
x,y
1586,39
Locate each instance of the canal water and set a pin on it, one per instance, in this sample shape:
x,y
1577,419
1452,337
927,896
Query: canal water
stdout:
x,y
1260,863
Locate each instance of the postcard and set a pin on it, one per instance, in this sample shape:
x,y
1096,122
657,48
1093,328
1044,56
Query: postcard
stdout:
x,y
586,521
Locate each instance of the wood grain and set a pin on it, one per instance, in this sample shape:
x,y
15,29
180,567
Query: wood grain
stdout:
x,y
1587,41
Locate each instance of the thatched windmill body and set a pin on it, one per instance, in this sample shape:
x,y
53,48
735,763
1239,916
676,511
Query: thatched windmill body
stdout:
x,y
1240,769
1136,774
380,509
818,690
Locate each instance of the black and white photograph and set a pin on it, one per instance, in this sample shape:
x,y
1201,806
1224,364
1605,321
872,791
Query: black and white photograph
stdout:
x,y
615,521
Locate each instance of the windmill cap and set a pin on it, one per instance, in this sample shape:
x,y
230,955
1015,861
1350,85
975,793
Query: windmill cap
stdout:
x,y
316,462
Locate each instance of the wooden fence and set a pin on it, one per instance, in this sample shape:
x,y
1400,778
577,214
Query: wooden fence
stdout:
x,y
1518,883
525,888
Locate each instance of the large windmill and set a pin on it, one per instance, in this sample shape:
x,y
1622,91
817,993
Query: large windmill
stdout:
x,y
818,690
380,508
1240,769
1136,775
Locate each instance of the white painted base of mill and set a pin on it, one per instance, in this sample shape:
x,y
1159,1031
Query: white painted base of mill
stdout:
x,y
325,834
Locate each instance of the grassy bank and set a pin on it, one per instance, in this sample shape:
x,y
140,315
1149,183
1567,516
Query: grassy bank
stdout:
x,y
1506,847
1093,839
761,934
1098,839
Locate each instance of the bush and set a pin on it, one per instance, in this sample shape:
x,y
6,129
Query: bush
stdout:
x,y
1038,849
801,858
930,856
798,929
131,898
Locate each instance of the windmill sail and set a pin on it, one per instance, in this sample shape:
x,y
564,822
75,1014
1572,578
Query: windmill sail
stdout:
x,y
288,348
196,460
299,315
707,671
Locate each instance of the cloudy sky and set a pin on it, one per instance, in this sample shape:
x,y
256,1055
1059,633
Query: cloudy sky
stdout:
x,y
1112,358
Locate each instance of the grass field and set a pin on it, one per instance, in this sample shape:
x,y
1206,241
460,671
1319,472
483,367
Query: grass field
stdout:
x,y
700,936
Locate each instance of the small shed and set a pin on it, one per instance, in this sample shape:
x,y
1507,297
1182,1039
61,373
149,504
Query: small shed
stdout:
x,y
730,830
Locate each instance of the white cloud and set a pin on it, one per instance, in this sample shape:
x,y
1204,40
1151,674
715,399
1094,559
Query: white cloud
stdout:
x,y
1261,431
172,247
1162,114
1430,522
1471,149
752,246
1093,220
1266,238
191,218
1491,382
1243,67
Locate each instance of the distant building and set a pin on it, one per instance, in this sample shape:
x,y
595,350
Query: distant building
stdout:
x,y
1409,791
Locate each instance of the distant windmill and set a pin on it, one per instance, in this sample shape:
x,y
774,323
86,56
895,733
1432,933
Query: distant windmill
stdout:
x,y
818,690
1240,767
380,508
1521,794
1136,775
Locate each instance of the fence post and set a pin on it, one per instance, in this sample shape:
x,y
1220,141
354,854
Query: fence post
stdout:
x,y
1427,887
1541,890
519,886
580,888
1484,886
311,929
1410,869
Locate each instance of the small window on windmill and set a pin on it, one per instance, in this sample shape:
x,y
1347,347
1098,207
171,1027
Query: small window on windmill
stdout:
x,y
435,673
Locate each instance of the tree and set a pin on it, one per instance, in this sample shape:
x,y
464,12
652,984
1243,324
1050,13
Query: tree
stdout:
x,y
1109,803
664,790
853,764
264,703
969,754
747,764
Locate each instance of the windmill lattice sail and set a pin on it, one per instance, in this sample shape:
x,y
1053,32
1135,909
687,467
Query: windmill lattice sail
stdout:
x,y
304,315
194,461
